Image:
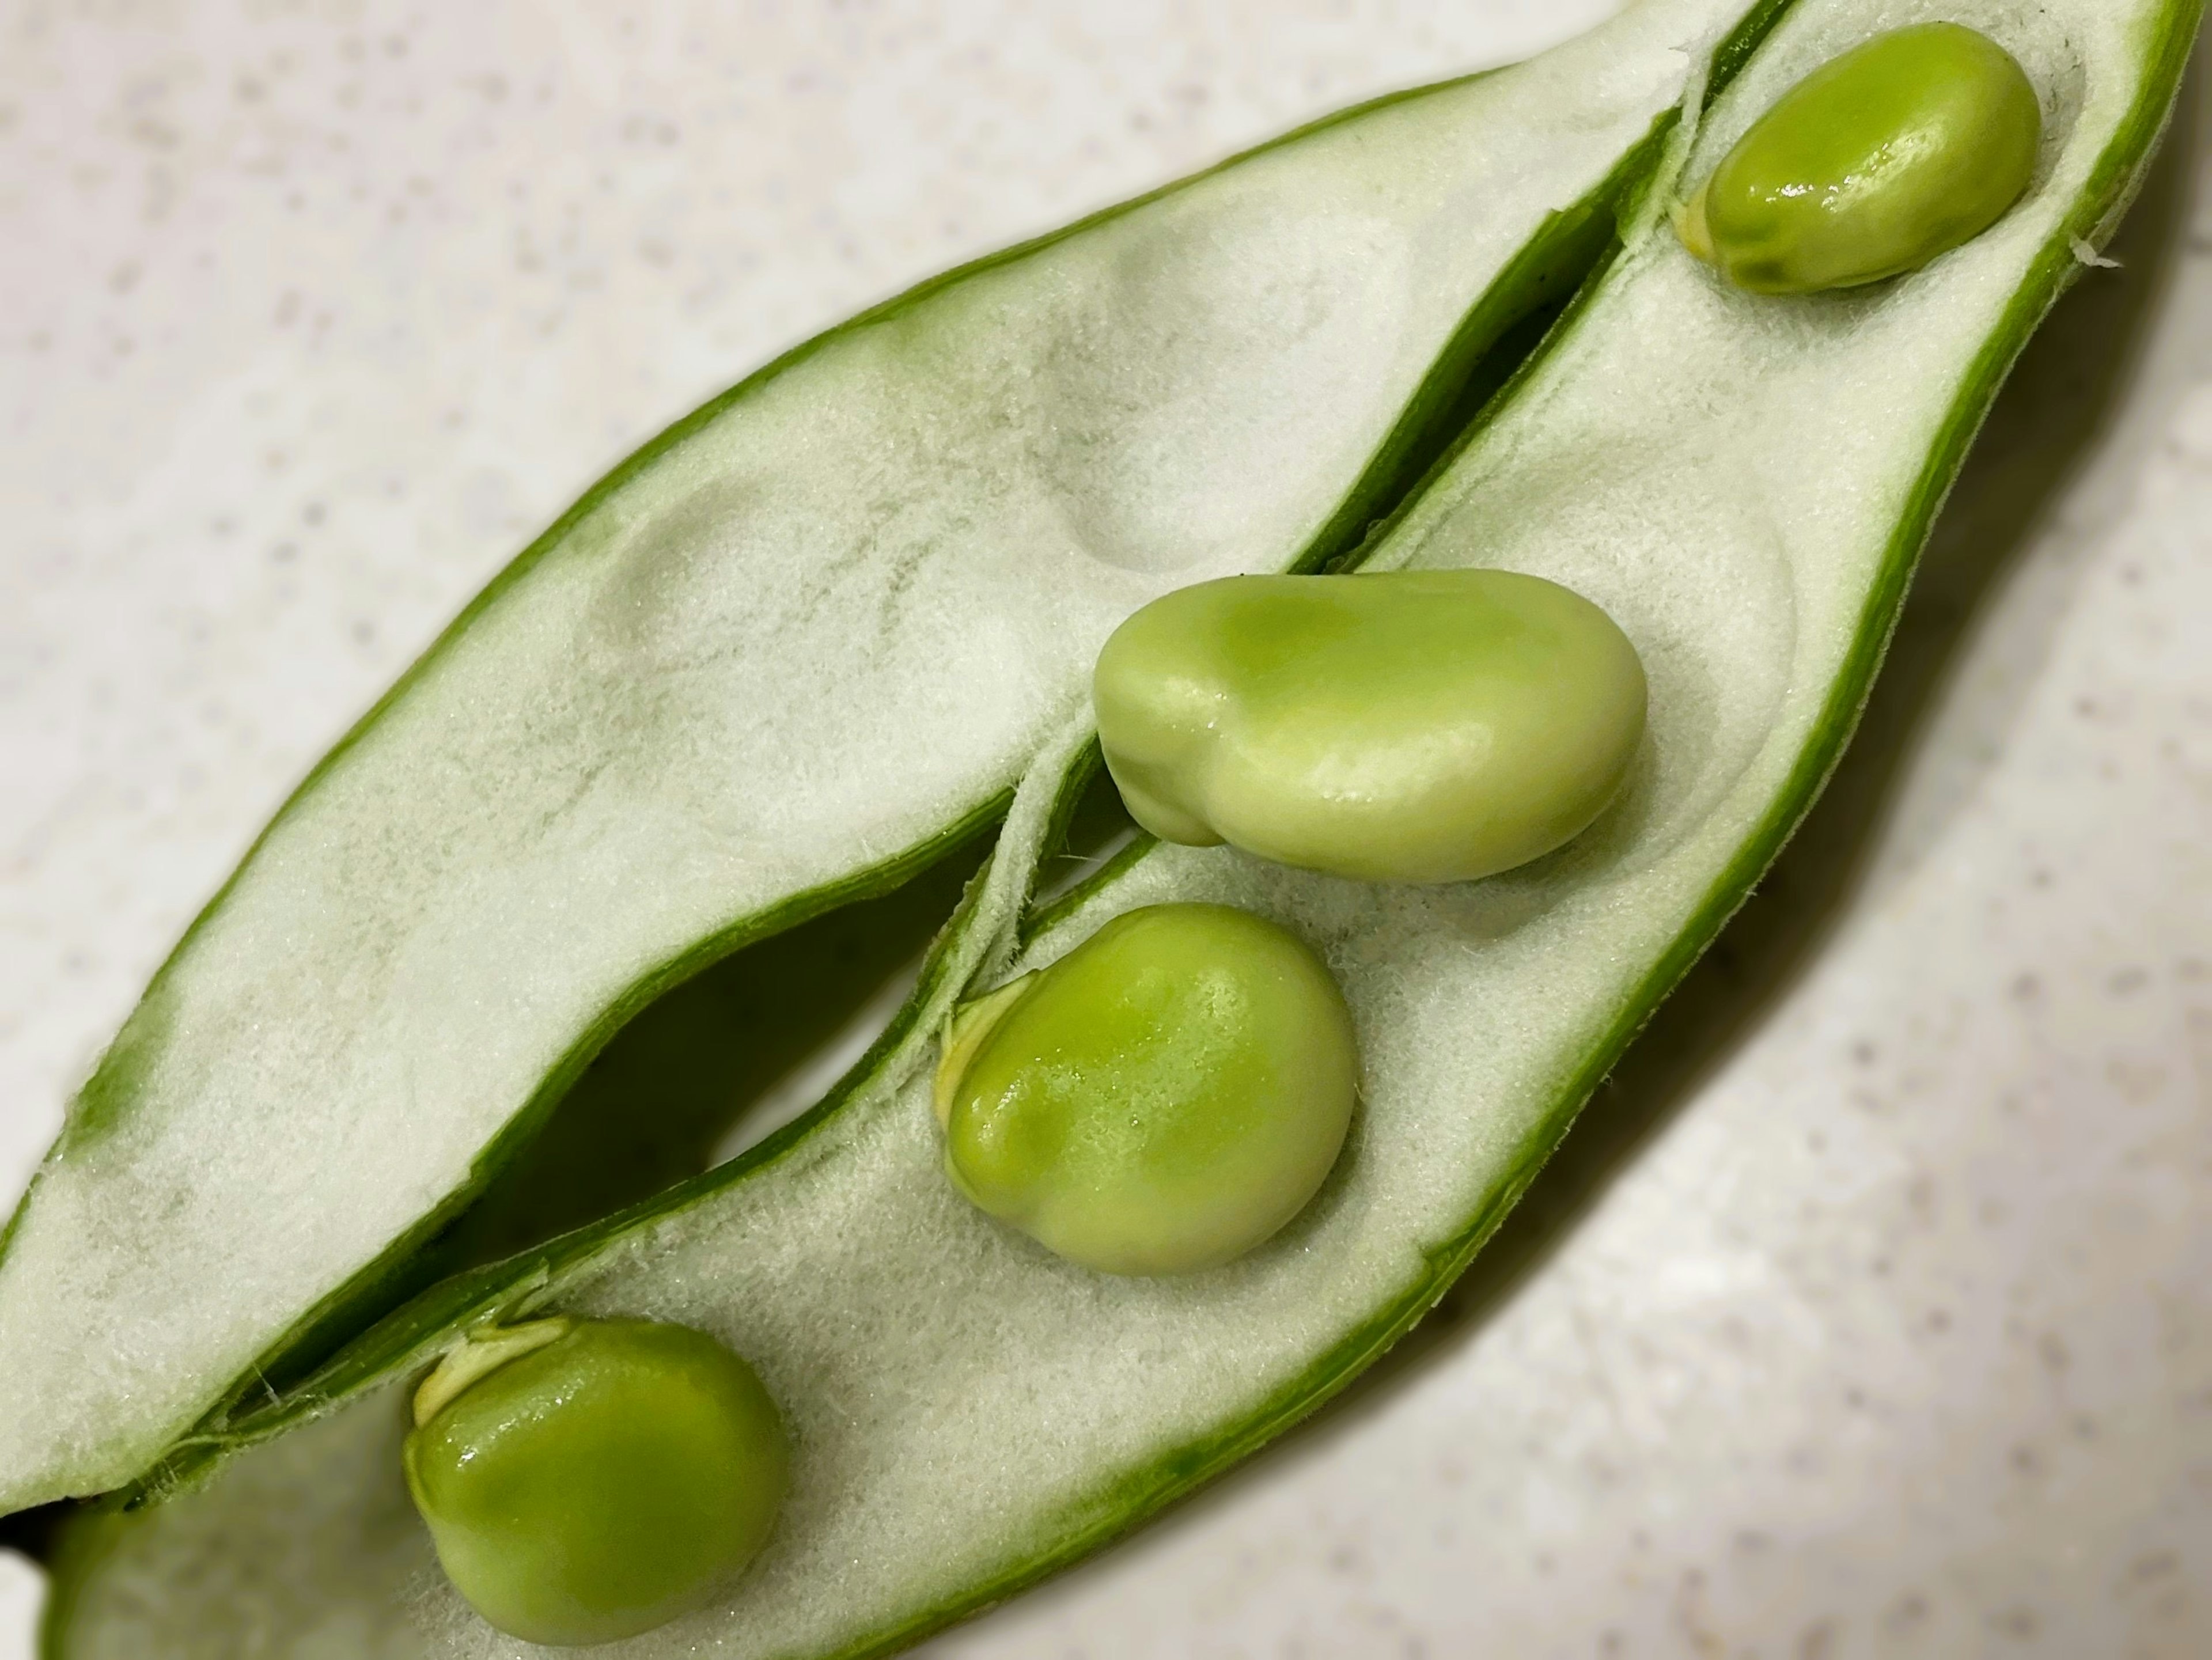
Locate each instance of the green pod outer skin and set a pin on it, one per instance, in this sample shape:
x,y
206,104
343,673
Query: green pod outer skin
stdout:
x,y
1162,1099
1398,726
860,1172
907,537
1895,152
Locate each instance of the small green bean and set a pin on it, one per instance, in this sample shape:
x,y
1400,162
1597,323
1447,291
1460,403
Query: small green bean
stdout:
x,y
1161,1099
1903,148
1406,726
585,1480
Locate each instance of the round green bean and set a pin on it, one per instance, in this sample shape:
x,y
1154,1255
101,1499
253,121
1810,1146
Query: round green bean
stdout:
x,y
585,1480
1161,1099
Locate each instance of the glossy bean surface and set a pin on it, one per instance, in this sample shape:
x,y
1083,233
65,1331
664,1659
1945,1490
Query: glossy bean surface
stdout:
x,y
600,1484
1401,727
1899,150
1163,1098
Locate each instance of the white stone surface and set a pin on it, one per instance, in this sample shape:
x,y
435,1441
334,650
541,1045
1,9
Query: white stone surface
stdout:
x,y
1870,1313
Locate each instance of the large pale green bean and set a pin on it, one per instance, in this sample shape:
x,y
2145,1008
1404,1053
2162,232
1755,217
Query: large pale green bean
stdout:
x,y
1403,726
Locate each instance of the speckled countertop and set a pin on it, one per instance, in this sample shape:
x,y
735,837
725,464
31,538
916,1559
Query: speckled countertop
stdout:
x,y
1870,1310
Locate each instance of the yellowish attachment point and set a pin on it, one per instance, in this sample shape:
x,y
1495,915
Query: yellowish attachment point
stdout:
x,y
1690,225
486,1350
971,1023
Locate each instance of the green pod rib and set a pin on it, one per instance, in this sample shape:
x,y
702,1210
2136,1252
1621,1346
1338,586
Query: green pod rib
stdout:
x,y
1486,1011
789,653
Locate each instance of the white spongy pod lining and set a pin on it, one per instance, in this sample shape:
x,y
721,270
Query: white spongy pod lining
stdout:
x,y
1728,475
308,1550
815,630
